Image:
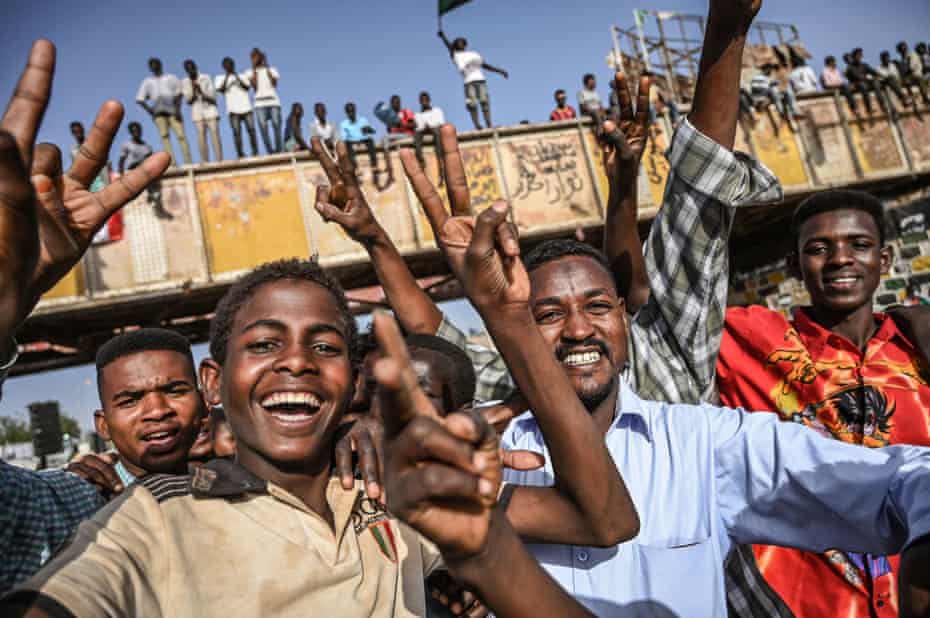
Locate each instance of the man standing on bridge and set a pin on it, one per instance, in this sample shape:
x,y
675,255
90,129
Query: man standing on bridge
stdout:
x,y
469,64
160,96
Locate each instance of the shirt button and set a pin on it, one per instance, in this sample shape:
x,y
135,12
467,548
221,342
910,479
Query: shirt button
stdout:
x,y
582,556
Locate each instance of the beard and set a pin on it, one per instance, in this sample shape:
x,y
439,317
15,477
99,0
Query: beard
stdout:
x,y
592,397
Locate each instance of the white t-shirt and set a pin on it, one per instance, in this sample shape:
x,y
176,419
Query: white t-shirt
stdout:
x,y
161,91
324,132
266,95
429,119
803,79
236,91
469,64
201,109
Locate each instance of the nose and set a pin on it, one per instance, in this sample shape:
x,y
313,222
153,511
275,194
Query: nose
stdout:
x,y
577,327
296,359
156,407
841,253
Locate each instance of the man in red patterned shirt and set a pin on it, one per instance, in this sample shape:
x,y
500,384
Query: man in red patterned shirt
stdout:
x,y
843,371
562,111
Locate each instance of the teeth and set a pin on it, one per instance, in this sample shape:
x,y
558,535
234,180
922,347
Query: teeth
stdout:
x,y
585,358
291,399
842,280
157,435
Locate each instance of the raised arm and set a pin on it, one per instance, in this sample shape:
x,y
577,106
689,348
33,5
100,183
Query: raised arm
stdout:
x,y
687,254
715,109
495,69
623,143
445,41
484,255
47,217
436,485
344,204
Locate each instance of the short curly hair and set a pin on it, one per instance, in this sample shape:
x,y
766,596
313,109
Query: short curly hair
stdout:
x,y
271,272
460,373
562,247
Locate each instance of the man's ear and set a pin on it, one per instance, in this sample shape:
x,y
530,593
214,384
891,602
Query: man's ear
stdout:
x,y
210,372
887,259
100,425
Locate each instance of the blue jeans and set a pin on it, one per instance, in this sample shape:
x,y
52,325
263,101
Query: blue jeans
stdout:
x,y
264,114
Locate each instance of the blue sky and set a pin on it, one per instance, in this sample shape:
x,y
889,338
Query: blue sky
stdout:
x,y
362,51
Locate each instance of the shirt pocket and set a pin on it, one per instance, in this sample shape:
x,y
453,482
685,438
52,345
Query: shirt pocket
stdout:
x,y
685,575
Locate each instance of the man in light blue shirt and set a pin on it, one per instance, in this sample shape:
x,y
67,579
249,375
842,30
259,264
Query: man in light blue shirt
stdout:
x,y
357,130
703,478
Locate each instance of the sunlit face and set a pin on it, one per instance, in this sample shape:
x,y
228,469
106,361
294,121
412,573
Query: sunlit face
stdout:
x,y
841,259
287,377
575,304
152,410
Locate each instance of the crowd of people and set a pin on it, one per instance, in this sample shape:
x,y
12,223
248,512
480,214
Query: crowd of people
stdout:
x,y
631,446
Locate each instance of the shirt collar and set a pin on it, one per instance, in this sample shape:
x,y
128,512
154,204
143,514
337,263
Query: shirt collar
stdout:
x,y
127,477
630,411
221,478
819,337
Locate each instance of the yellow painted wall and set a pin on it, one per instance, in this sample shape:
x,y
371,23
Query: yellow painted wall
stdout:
x,y
251,219
71,285
779,152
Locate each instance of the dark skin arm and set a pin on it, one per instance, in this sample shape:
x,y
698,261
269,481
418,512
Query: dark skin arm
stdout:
x,y
446,42
589,498
297,133
623,145
48,216
715,109
344,204
914,580
494,69
443,476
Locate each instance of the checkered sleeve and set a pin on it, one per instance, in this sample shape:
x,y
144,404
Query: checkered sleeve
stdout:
x,y
493,378
39,512
687,261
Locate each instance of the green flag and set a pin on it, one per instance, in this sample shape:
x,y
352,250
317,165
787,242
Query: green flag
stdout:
x,y
447,5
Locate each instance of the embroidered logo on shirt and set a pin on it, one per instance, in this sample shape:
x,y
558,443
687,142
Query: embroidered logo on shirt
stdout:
x,y
203,479
371,515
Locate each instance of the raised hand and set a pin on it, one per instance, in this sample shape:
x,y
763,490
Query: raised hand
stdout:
x,y
483,252
365,438
98,470
343,201
736,14
47,217
442,475
624,141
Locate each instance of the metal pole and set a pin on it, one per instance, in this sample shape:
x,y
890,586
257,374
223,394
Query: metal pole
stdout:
x,y
618,64
669,67
642,39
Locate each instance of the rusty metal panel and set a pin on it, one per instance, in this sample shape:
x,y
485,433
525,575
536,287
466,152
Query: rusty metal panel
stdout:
x,y
875,142
251,218
549,182
826,144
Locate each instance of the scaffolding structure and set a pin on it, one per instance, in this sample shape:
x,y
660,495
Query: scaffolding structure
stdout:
x,y
669,45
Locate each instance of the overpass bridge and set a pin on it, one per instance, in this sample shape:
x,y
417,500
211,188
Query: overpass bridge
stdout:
x,y
220,220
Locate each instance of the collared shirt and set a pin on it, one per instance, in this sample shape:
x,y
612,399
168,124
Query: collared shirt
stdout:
x,y
589,100
469,64
134,152
888,71
396,121
674,338
236,89
705,478
562,113
201,109
39,512
352,131
162,90
224,542
127,477
814,377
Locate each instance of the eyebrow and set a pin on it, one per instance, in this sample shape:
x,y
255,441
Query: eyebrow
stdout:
x,y
135,394
277,325
855,236
555,300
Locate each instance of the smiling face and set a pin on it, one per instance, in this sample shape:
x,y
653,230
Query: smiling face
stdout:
x,y
152,410
287,377
575,304
841,259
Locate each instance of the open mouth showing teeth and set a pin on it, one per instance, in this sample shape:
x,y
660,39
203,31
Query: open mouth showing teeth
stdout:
x,y
581,359
290,406
158,435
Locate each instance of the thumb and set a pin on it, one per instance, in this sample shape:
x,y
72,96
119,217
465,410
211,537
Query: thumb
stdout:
x,y
522,460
